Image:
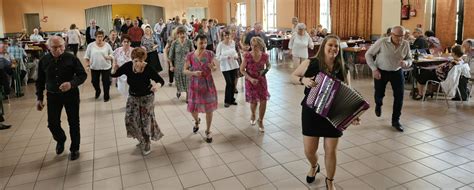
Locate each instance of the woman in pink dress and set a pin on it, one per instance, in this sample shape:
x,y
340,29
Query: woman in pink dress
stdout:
x,y
254,67
202,94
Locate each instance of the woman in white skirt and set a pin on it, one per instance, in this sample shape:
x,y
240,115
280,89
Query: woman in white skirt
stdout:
x,y
299,44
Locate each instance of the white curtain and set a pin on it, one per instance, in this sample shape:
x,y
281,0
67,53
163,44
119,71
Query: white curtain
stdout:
x,y
103,17
153,14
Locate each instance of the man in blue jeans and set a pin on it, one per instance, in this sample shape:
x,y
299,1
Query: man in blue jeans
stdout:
x,y
392,54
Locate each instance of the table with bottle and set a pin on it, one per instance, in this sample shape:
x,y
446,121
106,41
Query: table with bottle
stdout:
x,y
427,62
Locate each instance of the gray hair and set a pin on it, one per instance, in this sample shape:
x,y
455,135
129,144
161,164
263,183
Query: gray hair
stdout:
x,y
395,28
55,38
300,26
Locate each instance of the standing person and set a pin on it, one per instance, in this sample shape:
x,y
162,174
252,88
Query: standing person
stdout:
x,y
145,24
227,57
117,23
99,58
150,44
5,64
393,54
299,43
158,29
171,39
256,32
60,74
140,111
126,26
140,21
189,27
121,56
136,34
91,30
113,40
294,22
202,92
73,39
254,67
179,48
19,72
329,60
172,25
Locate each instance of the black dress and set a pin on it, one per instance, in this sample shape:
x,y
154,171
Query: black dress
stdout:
x,y
313,124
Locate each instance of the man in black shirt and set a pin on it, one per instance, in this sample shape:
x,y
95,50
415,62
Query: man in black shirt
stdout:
x,y
61,73
126,26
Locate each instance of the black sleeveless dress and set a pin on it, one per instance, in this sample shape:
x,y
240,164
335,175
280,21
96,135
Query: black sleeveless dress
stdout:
x,y
313,124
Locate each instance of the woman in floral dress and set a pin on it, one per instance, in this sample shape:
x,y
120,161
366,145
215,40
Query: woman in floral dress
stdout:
x,y
140,111
254,67
202,94
177,55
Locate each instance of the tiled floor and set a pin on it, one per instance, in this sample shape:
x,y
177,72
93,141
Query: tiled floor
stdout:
x,y
435,152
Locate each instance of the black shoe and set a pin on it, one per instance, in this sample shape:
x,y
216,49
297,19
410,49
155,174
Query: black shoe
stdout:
x,y
97,94
226,105
178,94
208,137
234,103
74,155
196,126
106,98
397,126
59,148
456,99
3,126
310,179
378,111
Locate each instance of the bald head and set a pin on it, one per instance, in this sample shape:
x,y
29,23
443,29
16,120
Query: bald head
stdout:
x,y
56,45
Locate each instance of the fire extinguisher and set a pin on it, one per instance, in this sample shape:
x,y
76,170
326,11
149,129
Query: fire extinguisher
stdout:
x,y
405,15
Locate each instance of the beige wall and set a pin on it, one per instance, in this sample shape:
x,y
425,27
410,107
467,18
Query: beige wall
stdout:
x,y
62,13
411,23
2,26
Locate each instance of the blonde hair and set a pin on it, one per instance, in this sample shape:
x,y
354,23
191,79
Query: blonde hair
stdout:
x,y
148,29
260,42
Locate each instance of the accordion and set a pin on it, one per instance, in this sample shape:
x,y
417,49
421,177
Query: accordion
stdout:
x,y
335,101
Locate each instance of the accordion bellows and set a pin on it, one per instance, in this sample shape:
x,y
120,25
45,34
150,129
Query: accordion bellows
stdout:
x,y
335,101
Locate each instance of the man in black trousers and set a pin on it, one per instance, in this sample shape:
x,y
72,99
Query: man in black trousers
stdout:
x,y
61,73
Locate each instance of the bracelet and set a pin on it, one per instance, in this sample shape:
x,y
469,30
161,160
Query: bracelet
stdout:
x,y
301,80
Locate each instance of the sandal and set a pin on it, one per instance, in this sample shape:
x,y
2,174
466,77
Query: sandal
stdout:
x,y
252,120
326,181
310,179
208,137
196,125
260,126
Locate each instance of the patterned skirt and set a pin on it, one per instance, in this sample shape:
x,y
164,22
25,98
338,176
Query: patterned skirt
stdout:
x,y
140,118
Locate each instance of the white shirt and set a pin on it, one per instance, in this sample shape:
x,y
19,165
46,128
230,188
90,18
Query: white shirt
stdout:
x,y
299,45
36,38
73,36
388,56
96,56
223,52
158,28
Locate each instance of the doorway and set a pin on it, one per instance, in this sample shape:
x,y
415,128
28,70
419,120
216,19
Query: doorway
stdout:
x,y
32,21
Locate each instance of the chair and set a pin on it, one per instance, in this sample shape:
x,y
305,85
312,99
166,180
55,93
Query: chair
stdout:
x,y
471,83
360,61
457,74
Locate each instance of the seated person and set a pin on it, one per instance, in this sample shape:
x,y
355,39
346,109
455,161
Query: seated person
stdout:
x,y
440,73
22,36
420,40
36,37
433,43
314,34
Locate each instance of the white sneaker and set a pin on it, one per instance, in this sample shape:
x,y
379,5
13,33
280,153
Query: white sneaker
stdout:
x,y
146,149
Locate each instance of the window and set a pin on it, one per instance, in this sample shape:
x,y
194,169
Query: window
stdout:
x,y
241,14
270,16
325,14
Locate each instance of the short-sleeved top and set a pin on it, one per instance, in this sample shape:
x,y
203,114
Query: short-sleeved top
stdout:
x,y
73,36
148,43
97,54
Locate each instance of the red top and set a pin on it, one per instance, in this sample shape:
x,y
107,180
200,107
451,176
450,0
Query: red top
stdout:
x,y
135,34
